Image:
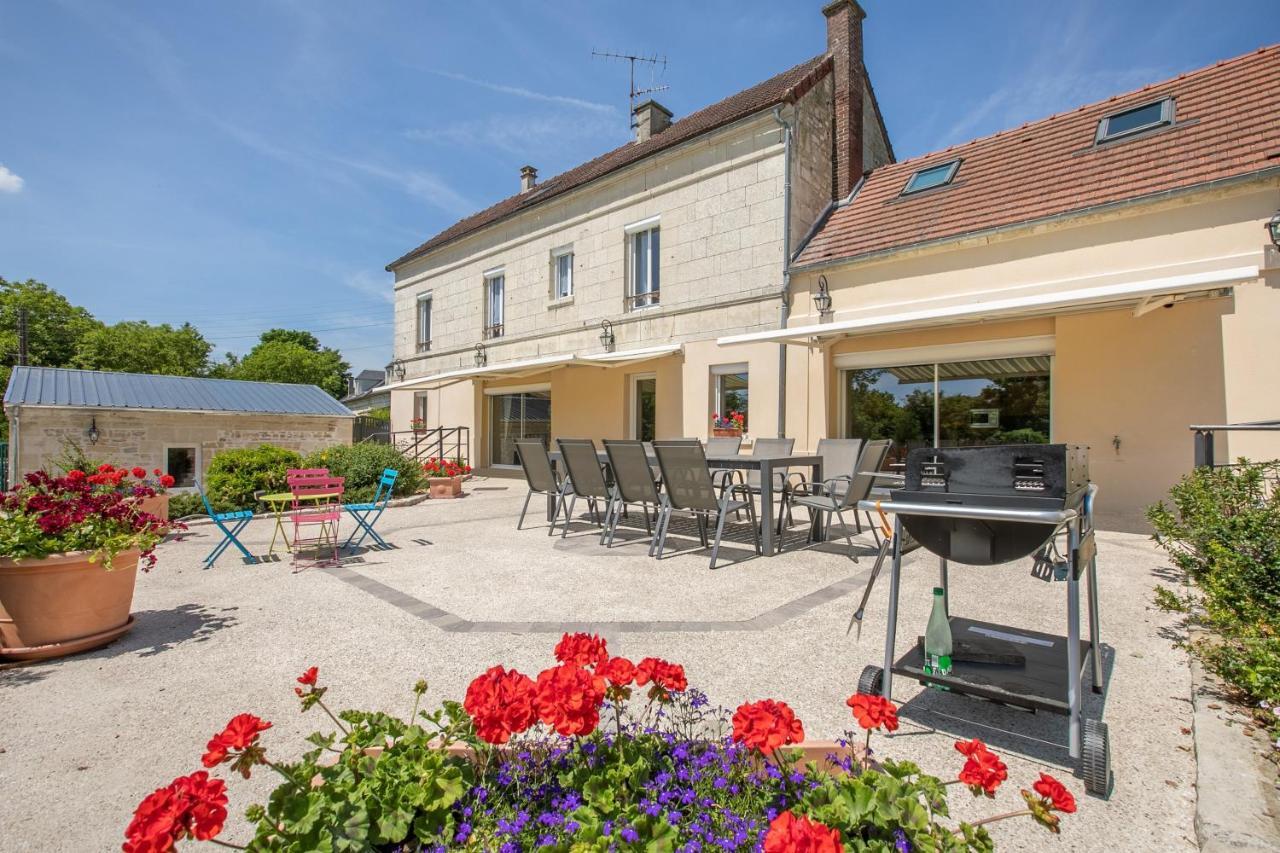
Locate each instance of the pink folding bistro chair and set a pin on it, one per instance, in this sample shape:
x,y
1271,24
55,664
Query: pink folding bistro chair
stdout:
x,y
317,510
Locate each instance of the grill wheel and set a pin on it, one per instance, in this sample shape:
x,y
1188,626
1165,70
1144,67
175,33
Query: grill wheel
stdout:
x,y
1095,758
871,682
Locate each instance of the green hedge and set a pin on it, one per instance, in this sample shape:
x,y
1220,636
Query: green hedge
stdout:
x,y
1223,530
362,465
234,475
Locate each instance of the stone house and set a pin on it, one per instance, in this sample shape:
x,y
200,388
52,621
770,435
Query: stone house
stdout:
x,y
174,423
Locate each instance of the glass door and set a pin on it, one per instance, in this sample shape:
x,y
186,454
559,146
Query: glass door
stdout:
x,y
644,406
513,417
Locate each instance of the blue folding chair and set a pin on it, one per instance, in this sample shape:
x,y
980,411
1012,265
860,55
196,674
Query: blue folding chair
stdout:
x,y
367,515
238,520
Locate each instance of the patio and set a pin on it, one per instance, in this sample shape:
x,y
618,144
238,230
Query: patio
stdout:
x,y
462,590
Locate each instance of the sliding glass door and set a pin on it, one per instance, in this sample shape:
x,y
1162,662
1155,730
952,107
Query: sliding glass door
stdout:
x,y
513,417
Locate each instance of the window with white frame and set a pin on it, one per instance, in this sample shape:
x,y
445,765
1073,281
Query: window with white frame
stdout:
x,y
643,266
424,322
494,294
419,410
180,464
731,397
562,273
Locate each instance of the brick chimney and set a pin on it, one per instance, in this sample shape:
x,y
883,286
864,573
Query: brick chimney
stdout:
x,y
528,177
651,119
844,44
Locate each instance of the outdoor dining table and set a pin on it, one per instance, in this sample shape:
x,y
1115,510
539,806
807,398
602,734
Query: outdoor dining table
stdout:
x,y
766,465
279,502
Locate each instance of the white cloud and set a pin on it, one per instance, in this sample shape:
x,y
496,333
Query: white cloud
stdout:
x,y
9,182
520,92
517,134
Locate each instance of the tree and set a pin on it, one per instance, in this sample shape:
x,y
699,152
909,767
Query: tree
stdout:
x,y
136,346
291,336
284,355
55,327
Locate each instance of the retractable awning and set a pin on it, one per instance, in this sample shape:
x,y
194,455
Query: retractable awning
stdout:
x,y
1040,299
530,366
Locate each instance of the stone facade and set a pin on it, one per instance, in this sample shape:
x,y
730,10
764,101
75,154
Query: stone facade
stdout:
x,y
140,437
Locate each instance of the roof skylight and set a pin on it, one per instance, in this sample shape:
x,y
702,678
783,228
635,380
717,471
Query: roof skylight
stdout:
x,y
1135,120
933,176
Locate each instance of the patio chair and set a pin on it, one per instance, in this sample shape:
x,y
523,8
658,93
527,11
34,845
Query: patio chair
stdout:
x,y
586,478
542,478
688,488
238,519
724,445
765,447
317,505
832,496
366,515
633,483
839,458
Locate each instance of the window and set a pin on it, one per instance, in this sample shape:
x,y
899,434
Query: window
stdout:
x,y
1135,120
643,254
424,322
644,403
933,176
731,401
180,464
562,274
420,409
494,287
516,416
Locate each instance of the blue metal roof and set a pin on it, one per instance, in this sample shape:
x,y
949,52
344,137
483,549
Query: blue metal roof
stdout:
x,y
53,386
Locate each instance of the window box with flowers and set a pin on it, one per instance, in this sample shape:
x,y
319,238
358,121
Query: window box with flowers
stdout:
x,y
445,476
70,548
418,424
596,753
729,425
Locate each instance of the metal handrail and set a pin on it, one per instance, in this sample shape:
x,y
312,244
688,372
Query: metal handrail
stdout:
x,y
438,442
1204,437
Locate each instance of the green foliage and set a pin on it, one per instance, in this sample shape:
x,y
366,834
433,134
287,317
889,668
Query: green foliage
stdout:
x,y
135,346
1223,530
380,414
73,458
184,504
281,360
234,475
362,465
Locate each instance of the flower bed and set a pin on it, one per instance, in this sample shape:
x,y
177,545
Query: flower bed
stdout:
x,y
595,754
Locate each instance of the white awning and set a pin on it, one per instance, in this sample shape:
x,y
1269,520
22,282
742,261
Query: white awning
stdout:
x,y
531,366
1044,298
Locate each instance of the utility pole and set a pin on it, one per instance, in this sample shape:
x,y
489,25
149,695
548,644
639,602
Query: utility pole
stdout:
x,y
654,62
22,336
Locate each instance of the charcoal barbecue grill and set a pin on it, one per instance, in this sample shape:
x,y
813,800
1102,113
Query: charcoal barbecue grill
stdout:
x,y
996,504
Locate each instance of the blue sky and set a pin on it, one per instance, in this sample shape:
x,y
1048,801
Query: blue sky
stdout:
x,y
252,163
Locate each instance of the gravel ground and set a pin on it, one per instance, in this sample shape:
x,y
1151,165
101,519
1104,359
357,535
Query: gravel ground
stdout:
x,y
86,738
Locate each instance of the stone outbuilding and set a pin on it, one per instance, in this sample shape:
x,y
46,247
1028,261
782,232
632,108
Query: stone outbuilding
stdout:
x,y
174,423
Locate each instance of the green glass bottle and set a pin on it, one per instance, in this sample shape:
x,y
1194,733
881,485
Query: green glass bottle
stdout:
x,y
937,638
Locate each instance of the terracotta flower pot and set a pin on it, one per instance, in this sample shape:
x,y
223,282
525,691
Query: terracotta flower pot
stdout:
x,y
445,487
726,432
63,604
157,506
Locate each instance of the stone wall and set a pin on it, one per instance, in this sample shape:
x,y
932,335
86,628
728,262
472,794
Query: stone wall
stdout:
x,y
132,437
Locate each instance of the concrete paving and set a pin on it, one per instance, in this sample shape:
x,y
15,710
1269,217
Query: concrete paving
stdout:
x,y
86,738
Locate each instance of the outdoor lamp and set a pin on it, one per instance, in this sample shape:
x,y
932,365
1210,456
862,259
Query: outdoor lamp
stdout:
x,y
93,430
481,357
822,299
397,369
1273,228
606,335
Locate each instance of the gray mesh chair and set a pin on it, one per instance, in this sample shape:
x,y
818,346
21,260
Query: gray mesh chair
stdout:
x,y
765,447
542,478
633,483
687,487
586,477
843,491
831,496
865,480
724,445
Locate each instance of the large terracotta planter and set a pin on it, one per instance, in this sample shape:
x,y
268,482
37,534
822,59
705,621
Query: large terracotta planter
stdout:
x,y
63,604
445,487
157,506
726,432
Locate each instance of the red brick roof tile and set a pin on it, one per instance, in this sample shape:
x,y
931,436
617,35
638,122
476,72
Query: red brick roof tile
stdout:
x,y
1226,124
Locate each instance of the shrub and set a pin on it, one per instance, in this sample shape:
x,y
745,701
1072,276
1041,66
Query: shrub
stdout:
x,y
184,504
1223,530
234,475
362,465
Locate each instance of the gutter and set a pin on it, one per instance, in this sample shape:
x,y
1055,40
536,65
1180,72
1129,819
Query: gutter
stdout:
x,y
784,310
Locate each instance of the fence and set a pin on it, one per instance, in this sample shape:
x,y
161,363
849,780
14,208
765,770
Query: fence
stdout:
x,y
374,430
4,464
437,442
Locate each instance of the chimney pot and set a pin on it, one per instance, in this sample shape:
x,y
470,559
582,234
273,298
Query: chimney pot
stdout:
x,y
651,118
528,178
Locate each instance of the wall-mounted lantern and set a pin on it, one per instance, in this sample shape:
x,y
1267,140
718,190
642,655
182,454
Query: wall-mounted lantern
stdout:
x,y
1273,228
822,299
92,432
396,369
606,335
482,358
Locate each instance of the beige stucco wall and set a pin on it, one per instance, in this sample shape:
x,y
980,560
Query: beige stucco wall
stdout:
x,y
133,437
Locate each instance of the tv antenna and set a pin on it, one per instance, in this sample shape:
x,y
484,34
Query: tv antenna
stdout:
x,y
655,63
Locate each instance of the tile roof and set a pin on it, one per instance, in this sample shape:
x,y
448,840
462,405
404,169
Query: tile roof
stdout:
x,y
53,386
1226,124
784,88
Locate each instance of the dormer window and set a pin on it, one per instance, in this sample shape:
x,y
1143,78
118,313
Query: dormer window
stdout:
x,y
933,176
1135,120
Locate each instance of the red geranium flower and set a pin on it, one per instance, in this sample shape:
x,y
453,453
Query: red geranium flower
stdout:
x,y
617,671
568,699
240,734
668,676
1050,788
105,468
75,475
872,711
192,806
309,677
156,471
582,649
791,834
500,703
139,472
983,771
167,481
766,725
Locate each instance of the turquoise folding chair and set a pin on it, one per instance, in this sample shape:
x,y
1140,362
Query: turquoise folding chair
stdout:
x,y
238,519
366,515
